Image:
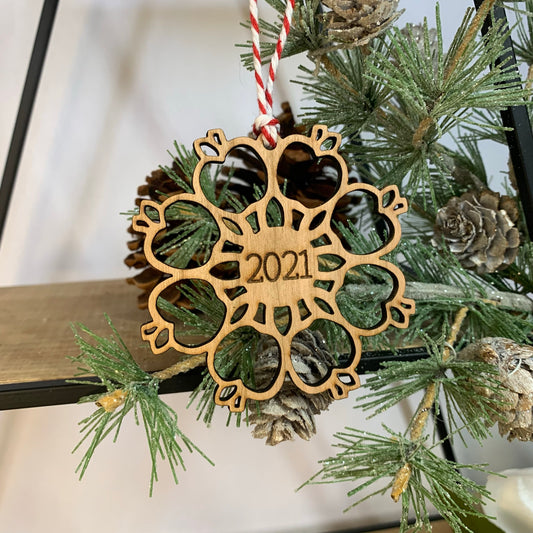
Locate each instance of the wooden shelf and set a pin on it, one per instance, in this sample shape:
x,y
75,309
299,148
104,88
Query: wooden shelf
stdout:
x,y
36,338
35,327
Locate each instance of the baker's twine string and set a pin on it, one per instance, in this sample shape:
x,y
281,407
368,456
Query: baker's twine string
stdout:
x,y
266,124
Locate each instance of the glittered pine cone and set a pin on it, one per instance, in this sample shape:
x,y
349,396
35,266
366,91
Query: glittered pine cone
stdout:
x,y
303,177
479,229
357,22
515,368
291,412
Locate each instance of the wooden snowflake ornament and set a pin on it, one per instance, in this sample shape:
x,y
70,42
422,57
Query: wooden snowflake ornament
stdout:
x,y
290,264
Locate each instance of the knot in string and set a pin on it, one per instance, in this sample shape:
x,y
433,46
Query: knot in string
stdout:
x,y
265,124
268,126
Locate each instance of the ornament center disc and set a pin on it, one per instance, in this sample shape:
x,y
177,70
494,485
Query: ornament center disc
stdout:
x,y
278,265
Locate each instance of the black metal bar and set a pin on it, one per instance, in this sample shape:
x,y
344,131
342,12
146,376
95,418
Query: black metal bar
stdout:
x,y
44,393
520,138
371,361
27,100
61,391
444,436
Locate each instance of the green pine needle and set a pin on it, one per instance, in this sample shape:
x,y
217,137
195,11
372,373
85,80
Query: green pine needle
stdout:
x,y
110,360
234,359
186,161
306,33
372,461
342,94
457,388
399,101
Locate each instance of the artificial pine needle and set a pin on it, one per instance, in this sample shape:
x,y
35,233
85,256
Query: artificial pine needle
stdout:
x,y
110,360
368,459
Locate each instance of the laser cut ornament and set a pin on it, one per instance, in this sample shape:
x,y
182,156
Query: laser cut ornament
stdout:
x,y
278,267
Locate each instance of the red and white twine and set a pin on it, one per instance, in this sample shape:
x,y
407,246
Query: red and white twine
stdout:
x,y
265,124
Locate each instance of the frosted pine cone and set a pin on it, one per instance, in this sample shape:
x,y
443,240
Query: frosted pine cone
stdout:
x,y
357,22
515,366
291,412
479,228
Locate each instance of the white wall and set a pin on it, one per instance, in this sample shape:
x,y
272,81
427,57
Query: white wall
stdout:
x,y
122,80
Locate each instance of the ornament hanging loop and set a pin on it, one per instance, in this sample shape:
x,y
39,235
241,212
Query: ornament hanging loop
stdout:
x,y
265,124
268,127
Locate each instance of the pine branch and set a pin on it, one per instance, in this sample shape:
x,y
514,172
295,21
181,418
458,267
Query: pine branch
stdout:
x,y
343,96
129,389
416,474
419,291
181,367
442,374
465,38
371,460
425,94
306,34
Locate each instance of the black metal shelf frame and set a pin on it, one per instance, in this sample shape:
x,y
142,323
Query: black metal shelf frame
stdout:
x,y
29,92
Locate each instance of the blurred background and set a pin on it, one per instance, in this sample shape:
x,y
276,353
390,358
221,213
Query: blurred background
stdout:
x,y
122,80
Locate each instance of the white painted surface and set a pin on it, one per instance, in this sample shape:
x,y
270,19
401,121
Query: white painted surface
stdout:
x,y
251,488
122,80
513,495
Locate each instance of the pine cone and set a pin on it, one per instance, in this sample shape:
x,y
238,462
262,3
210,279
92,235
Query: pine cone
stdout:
x,y
515,366
158,187
304,178
357,22
479,228
291,412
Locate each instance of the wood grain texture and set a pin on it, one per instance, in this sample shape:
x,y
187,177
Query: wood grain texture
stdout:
x,y
276,251
35,334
